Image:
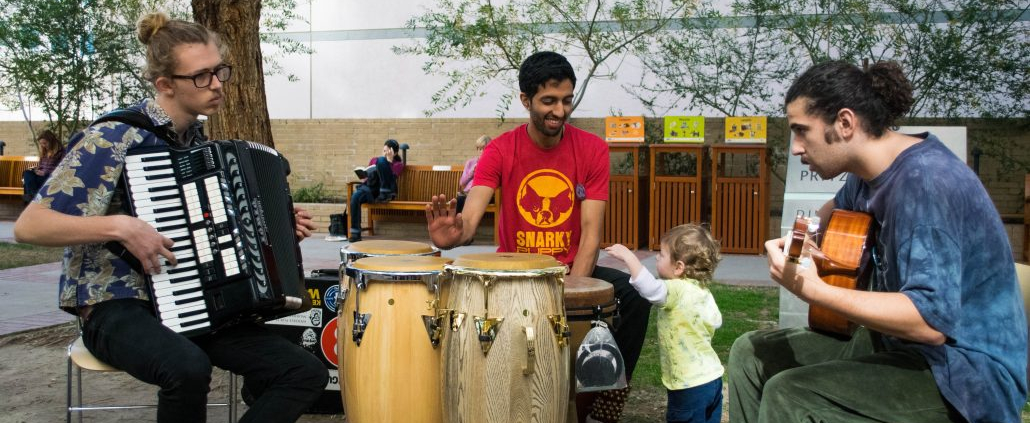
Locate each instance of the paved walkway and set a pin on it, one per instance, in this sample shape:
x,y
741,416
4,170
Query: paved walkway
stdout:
x,y
28,295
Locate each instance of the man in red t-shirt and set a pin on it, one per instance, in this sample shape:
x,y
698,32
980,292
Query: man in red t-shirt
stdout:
x,y
555,184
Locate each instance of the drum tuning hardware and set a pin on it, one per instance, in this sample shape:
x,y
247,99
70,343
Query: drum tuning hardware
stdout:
x,y
530,351
617,318
433,328
360,323
561,328
456,320
340,299
487,329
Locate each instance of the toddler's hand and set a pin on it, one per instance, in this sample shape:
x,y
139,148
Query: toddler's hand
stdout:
x,y
620,252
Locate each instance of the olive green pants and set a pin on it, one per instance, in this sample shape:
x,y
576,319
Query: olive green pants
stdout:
x,y
797,375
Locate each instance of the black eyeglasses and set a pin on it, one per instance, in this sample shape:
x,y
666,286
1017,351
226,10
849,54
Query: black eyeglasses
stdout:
x,y
203,79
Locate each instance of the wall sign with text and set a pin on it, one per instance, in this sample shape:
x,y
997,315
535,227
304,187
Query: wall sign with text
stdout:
x,y
746,129
624,129
685,129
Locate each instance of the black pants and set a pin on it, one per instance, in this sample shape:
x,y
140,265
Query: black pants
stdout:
x,y
634,312
283,378
378,188
31,182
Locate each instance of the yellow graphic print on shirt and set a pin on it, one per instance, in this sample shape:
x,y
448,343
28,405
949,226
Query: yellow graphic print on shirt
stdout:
x,y
545,200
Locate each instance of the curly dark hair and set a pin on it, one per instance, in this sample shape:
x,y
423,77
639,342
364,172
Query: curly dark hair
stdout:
x,y
880,95
541,67
696,248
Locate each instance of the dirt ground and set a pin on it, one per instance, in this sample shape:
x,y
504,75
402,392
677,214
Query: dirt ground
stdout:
x,y
33,369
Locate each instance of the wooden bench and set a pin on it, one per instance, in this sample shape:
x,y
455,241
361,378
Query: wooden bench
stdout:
x,y
415,188
11,168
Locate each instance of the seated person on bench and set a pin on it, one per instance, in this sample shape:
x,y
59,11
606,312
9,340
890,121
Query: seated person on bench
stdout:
x,y
379,184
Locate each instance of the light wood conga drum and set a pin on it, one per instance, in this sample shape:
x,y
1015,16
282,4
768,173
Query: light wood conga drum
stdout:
x,y
507,357
372,248
390,367
586,299
385,247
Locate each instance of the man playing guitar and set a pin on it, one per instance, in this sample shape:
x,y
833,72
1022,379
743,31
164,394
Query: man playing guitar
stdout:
x,y
942,334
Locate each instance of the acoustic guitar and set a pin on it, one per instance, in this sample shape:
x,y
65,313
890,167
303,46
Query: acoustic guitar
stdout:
x,y
836,260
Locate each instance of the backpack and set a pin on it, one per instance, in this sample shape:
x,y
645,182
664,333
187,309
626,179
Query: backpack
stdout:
x,y
142,121
129,117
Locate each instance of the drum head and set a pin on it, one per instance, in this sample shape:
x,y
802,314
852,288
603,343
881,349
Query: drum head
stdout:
x,y
400,264
582,291
506,261
389,248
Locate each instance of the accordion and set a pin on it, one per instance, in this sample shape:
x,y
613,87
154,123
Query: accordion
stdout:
x,y
227,207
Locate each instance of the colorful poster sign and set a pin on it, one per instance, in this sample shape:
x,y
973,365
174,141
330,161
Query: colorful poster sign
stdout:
x,y
624,129
746,129
685,129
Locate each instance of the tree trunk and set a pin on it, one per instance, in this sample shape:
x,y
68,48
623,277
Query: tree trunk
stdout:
x,y
244,113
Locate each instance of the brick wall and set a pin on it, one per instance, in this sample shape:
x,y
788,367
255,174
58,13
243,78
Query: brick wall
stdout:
x,y
327,150
18,138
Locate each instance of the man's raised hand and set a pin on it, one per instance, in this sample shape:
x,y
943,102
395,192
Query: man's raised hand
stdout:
x,y
444,223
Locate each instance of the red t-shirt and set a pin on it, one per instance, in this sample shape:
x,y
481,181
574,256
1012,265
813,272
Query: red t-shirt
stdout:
x,y
542,189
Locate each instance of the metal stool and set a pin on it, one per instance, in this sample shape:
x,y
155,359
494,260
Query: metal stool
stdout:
x,y
80,358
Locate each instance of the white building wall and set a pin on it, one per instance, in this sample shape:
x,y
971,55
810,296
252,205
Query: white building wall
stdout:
x,y
354,74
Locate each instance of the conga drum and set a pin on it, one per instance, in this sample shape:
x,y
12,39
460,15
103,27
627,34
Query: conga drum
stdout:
x,y
388,338
362,249
507,356
386,247
586,300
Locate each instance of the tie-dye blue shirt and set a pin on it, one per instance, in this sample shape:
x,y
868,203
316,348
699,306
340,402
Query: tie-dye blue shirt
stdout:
x,y
84,184
942,244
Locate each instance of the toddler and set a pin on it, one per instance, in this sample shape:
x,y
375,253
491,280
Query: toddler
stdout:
x,y
687,319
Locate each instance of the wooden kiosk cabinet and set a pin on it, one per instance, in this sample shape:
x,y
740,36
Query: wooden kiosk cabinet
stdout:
x,y
676,185
627,192
740,198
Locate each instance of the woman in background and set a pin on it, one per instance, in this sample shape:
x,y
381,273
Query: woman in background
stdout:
x,y
469,172
51,151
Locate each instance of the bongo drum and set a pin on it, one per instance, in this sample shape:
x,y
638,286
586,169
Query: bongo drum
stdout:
x,y
507,357
586,299
388,339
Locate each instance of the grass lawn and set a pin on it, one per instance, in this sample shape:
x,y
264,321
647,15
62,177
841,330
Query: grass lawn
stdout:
x,y
21,255
743,309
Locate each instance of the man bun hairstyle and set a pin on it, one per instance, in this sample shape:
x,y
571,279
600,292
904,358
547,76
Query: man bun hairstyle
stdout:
x,y
891,85
880,95
161,35
541,67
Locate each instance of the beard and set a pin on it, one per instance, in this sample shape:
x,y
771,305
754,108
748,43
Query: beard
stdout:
x,y
831,136
539,122
828,170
